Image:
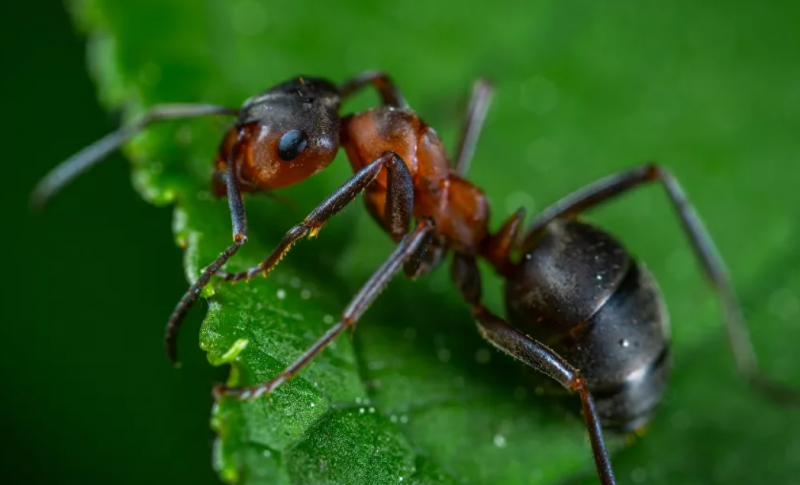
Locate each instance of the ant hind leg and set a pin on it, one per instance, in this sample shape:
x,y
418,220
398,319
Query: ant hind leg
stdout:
x,y
711,263
511,341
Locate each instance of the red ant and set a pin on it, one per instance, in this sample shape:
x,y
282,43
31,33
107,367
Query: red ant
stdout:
x,y
581,309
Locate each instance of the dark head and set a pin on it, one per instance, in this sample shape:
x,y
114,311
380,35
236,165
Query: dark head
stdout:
x,y
285,135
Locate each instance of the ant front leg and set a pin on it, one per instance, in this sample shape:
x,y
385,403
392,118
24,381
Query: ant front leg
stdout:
x,y
389,92
239,222
71,168
411,245
704,248
399,208
511,341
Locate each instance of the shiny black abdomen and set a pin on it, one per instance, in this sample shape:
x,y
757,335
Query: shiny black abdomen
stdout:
x,y
578,291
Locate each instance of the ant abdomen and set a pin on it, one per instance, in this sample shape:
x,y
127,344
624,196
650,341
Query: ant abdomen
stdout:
x,y
579,291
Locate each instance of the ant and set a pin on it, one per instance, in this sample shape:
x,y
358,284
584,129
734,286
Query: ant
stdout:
x,y
581,310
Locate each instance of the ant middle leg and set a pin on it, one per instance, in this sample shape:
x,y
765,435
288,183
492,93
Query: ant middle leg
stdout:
x,y
71,168
399,208
511,341
425,260
412,244
474,117
701,243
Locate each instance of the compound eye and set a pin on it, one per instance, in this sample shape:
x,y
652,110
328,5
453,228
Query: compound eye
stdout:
x,y
292,144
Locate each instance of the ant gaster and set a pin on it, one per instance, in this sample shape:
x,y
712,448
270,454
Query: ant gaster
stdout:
x,y
581,310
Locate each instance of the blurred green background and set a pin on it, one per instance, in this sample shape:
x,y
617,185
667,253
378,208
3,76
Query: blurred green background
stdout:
x,y
89,396
711,89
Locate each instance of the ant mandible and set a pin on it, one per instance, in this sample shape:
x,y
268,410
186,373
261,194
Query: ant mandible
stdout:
x,y
581,310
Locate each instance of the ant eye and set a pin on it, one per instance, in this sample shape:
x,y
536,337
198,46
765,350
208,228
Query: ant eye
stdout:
x,y
292,145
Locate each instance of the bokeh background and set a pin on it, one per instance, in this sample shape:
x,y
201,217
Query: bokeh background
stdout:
x,y
712,90
86,289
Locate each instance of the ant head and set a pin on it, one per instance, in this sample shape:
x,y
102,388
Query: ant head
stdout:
x,y
285,134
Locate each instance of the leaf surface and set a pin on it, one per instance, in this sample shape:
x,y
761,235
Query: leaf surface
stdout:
x,y
582,90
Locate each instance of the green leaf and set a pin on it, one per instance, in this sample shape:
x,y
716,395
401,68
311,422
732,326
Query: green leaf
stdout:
x,y
583,89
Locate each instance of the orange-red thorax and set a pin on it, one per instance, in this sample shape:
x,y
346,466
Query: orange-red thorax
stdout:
x,y
458,207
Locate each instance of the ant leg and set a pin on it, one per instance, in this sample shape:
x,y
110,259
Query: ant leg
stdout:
x,y
511,341
427,258
389,92
409,245
239,223
497,249
68,170
529,351
482,92
399,207
703,246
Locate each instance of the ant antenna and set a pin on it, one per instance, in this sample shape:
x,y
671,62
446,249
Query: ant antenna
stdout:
x,y
71,168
